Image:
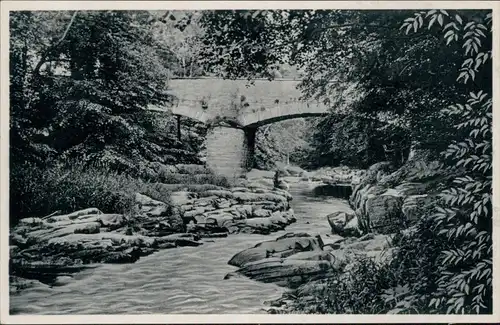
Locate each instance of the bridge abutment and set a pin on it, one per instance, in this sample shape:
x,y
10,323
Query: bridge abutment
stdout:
x,y
230,150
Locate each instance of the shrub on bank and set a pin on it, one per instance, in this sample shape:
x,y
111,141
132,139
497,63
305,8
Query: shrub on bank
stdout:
x,y
401,285
36,191
189,179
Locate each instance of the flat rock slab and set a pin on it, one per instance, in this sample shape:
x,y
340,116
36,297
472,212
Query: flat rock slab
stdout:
x,y
180,239
283,245
74,215
287,272
294,259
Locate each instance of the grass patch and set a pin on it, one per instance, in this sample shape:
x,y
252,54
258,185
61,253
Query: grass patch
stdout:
x,y
36,191
187,174
192,179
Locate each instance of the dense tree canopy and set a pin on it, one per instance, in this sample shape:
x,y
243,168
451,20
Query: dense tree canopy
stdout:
x,y
421,77
347,56
80,83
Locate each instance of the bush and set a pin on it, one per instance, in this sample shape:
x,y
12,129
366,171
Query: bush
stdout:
x,y
195,188
355,292
189,179
401,285
37,191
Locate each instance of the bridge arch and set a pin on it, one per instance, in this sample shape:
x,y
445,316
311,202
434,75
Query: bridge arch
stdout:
x,y
230,148
278,114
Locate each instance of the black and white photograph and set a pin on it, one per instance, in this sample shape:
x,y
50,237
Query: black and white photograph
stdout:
x,y
248,160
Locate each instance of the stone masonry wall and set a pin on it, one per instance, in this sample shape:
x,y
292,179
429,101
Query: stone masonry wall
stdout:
x,y
227,151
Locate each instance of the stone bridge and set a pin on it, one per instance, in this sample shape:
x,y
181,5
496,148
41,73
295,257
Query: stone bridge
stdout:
x,y
230,146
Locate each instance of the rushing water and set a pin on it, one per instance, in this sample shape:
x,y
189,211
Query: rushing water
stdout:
x,y
186,280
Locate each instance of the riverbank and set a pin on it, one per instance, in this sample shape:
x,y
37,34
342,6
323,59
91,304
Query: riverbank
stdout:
x,y
360,268
242,215
186,279
51,249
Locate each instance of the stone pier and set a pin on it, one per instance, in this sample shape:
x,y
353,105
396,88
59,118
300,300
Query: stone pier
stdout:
x,y
230,150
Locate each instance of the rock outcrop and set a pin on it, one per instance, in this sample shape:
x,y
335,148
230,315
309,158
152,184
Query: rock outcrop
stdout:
x,y
388,200
239,209
51,249
344,224
336,175
298,258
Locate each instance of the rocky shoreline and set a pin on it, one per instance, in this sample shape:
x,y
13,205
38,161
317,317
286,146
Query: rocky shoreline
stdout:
x,y
51,249
384,201
48,251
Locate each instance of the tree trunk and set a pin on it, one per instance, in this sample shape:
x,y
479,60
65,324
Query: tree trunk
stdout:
x,y
413,150
191,69
179,127
184,67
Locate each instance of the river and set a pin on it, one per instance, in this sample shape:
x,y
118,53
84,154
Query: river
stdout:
x,y
186,280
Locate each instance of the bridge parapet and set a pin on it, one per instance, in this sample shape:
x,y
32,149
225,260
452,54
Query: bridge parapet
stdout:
x,y
250,105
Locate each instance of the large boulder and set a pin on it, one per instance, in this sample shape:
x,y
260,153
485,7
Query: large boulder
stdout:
x,y
343,224
382,214
387,200
283,246
337,221
362,192
287,272
352,227
294,260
